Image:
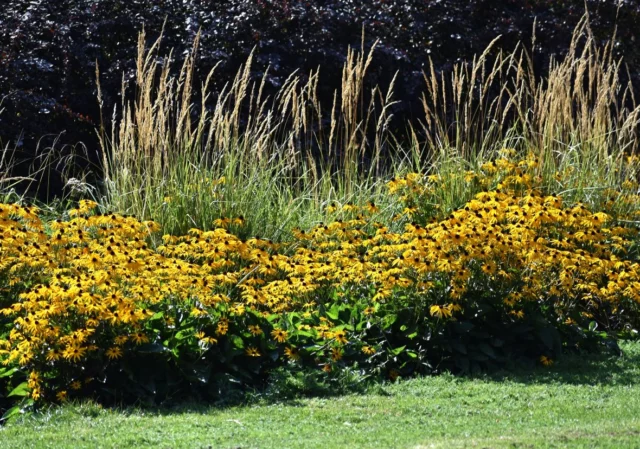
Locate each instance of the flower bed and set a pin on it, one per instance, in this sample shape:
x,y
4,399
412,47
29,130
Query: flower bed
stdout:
x,y
91,307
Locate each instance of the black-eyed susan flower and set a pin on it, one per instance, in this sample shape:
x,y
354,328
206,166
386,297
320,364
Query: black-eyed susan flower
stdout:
x,y
139,338
440,311
222,327
292,353
114,352
74,353
252,351
340,336
279,335
546,361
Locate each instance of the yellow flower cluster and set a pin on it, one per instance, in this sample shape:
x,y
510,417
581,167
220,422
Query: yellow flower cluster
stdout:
x,y
92,282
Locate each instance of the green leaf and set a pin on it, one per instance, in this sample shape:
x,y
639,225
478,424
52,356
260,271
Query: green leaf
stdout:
x,y
21,390
7,372
593,326
398,350
17,409
237,342
184,333
304,334
334,312
412,354
388,320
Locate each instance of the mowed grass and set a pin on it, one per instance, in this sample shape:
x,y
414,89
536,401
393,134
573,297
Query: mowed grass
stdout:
x,y
581,401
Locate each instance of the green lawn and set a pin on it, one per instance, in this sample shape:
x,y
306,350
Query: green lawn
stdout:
x,y
579,402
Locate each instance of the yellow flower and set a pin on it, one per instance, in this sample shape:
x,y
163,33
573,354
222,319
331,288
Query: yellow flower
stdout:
x,y
252,352
292,353
74,353
440,311
222,223
94,262
255,330
372,208
53,355
279,335
36,394
223,327
340,336
120,340
349,207
34,379
336,354
114,352
198,312
61,395
209,340
139,338
238,309
199,335
368,350
546,361
369,311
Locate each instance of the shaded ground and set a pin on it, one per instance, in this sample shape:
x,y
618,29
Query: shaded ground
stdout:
x,y
578,402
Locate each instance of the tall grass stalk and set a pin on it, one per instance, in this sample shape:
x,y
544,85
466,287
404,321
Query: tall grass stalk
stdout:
x,y
277,169
580,120
274,161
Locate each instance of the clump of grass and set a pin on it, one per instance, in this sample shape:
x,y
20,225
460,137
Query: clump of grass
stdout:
x,y
160,163
284,164
580,121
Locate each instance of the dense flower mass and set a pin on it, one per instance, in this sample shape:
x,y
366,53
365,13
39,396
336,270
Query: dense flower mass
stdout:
x,y
87,293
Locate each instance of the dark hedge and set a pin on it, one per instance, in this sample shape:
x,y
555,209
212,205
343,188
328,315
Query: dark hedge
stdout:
x,y
48,49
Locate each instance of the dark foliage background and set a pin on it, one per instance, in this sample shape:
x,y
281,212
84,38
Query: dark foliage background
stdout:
x,y
48,49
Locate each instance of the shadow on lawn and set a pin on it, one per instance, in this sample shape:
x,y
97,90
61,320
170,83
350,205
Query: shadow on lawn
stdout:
x,y
282,388
605,369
